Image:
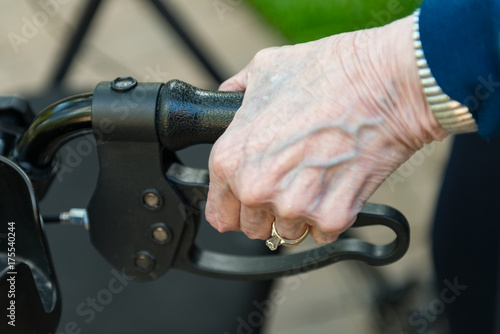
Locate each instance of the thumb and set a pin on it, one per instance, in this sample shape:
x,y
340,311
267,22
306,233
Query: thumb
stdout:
x,y
237,83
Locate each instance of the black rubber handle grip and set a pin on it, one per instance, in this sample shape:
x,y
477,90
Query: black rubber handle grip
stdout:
x,y
188,115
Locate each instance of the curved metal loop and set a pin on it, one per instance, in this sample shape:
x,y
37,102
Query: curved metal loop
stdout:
x,y
52,128
208,263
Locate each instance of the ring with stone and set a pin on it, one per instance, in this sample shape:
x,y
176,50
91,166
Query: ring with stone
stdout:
x,y
276,240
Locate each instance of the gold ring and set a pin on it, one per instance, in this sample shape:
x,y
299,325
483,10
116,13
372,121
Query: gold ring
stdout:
x,y
276,240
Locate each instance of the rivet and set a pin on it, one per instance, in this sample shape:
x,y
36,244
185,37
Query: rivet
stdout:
x,y
144,261
123,84
160,234
152,199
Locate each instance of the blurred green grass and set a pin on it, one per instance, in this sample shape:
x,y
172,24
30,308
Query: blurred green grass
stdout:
x,y
306,20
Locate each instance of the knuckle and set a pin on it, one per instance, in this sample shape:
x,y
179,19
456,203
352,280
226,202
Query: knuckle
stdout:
x,y
219,164
321,240
223,227
290,211
255,234
249,198
328,230
331,228
252,194
213,217
264,55
222,169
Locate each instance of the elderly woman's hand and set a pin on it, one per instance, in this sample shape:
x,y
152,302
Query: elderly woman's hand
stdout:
x,y
321,126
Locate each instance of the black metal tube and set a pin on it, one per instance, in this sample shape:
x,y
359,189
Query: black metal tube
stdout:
x,y
53,127
183,34
51,220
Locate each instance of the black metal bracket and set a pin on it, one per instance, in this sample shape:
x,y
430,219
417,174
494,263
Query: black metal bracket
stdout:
x,y
134,216
30,298
15,116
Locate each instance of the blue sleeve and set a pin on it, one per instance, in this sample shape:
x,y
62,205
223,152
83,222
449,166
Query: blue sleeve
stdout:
x,y
461,41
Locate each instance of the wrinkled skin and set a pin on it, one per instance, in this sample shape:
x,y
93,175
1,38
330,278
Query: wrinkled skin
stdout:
x,y
321,126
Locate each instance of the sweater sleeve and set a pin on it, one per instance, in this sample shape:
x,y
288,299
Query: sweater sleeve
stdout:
x,y
461,42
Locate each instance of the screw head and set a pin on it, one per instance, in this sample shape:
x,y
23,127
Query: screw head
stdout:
x,y
160,234
144,261
123,84
152,199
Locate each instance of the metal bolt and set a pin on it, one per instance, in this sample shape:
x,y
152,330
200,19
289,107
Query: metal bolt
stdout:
x,y
144,262
123,84
75,217
160,234
152,199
